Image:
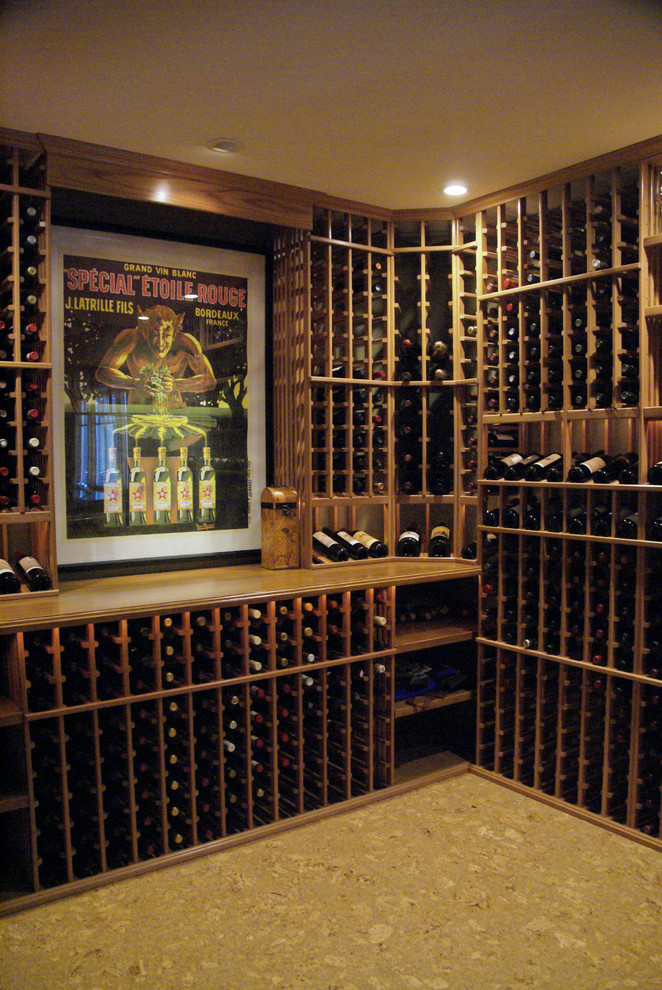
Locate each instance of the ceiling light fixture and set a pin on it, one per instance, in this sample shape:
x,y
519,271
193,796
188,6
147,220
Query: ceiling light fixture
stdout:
x,y
455,189
226,146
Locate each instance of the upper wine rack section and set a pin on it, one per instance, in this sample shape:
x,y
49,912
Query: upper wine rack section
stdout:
x,y
375,363
26,509
559,293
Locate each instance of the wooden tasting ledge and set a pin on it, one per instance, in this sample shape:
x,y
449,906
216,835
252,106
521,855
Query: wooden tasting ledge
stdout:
x,y
144,594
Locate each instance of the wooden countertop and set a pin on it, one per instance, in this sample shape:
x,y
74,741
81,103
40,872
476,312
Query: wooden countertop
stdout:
x,y
142,594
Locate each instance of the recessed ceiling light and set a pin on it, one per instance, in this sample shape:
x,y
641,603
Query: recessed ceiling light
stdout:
x,y
226,146
455,189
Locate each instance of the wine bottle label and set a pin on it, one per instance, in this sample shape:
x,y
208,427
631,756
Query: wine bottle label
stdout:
x,y
30,564
5,568
112,497
162,495
440,531
594,464
365,539
511,459
550,459
411,534
344,535
184,495
208,493
137,496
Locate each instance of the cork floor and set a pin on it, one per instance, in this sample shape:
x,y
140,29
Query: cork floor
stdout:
x,y
459,885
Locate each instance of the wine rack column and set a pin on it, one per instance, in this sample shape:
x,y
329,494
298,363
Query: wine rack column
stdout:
x,y
465,333
349,399
569,534
434,362
26,490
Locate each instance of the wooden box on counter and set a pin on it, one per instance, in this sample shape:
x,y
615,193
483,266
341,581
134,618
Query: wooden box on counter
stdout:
x,y
280,528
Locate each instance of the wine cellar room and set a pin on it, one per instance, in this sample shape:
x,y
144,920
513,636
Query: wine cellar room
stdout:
x,y
330,495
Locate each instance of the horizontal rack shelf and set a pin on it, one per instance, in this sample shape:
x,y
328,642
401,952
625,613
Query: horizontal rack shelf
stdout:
x,y
624,412
10,713
13,802
427,702
597,669
228,683
612,486
586,537
559,283
421,635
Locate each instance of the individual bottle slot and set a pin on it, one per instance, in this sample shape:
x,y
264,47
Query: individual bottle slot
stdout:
x,y
408,543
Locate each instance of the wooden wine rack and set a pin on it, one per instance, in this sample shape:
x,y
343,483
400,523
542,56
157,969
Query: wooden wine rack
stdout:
x,y
347,298
569,679
26,485
547,300
140,735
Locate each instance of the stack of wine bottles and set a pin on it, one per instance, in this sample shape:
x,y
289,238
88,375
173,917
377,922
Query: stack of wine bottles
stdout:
x,y
349,439
154,734
563,597
624,511
583,335
567,732
424,427
25,389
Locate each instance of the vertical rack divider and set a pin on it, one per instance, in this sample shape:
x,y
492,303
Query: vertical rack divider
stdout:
x,y
33,858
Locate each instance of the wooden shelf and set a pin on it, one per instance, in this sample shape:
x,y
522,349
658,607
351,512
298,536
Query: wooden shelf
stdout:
x,y
142,594
445,763
10,713
423,635
426,702
13,802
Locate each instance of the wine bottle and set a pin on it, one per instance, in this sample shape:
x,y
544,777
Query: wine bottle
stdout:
x,y
9,583
184,488
585,470
540,469
440,542
613,470
355,548
374,547
409,544
206,489
137,492
497,467
329,547
514,472
162,490
34,574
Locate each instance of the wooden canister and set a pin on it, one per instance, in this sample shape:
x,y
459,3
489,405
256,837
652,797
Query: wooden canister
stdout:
x,y
280,528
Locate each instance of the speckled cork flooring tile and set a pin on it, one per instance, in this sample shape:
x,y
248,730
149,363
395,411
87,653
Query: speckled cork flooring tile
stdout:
x,y
459,885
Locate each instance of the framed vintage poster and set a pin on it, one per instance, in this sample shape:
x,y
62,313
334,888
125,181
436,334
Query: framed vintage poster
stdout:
x,y
158,397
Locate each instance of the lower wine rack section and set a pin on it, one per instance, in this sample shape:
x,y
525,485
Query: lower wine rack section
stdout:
x,y
584,736
125,783
129,739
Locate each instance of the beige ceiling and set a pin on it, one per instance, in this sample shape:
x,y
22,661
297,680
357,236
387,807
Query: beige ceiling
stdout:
x,y
381,101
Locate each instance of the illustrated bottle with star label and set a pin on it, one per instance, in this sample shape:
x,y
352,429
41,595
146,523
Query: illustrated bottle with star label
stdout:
x,y
184,488
113,504
162,491
137,491
207,489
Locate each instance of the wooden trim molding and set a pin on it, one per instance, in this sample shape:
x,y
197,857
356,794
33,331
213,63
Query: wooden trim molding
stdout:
x,y
112,172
